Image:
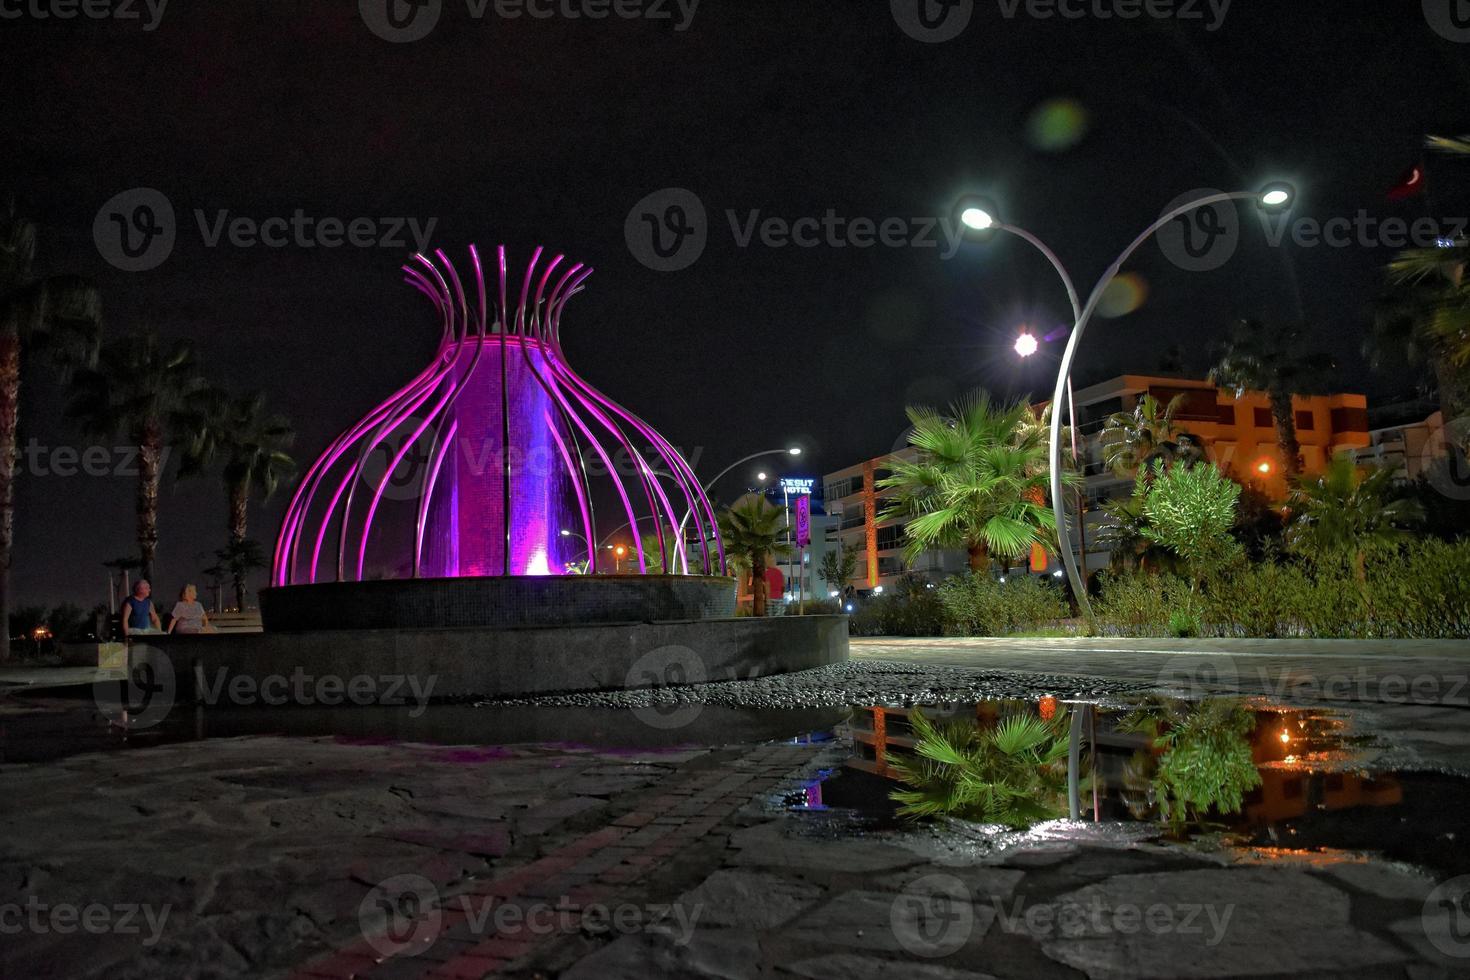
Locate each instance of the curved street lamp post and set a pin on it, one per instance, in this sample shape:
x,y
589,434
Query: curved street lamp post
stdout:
x,y
1276,196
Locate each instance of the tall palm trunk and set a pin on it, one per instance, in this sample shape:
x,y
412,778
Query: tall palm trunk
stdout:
x,y
9,416
979,557
150,472
1291,449
758,585
239,499
1360,574
1452,396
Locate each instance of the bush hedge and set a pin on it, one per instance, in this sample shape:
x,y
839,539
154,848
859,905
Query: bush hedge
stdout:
x,y
982,605
1421,590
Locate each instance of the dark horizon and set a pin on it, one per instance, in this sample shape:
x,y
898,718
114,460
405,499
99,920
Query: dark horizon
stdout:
x,y
549,132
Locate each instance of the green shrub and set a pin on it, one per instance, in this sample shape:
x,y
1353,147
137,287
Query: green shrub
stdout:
x,y
1422,592
977,604
912,613
1419,590
1264,599
1142,603
1183,623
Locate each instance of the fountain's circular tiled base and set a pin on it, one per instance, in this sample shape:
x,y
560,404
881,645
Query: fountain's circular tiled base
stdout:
x,y
510,601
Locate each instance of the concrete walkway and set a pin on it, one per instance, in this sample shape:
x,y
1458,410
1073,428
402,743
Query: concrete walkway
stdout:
x,y
1425,672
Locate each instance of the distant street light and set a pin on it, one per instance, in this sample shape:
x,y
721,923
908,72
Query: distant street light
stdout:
x,y
789,451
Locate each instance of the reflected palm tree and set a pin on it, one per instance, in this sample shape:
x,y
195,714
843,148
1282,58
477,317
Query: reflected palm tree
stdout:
x,y
1014,773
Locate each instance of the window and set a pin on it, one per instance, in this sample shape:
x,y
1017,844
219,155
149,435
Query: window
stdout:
x,y
1197,405
890,566
891,537
845,487
1349,420
1098,411
853,518
1226,413
1263,419
1305,421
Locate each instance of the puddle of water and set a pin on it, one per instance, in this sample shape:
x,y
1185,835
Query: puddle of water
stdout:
x,y
55,728
1288,781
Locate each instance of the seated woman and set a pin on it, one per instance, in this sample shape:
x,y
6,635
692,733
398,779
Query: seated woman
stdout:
x,y
188,614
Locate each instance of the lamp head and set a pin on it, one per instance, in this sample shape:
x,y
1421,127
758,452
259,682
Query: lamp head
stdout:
x,y
977,219
1278,196
1026,344
978,214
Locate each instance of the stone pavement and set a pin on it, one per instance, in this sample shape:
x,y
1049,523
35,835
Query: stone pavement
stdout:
x,y
324,858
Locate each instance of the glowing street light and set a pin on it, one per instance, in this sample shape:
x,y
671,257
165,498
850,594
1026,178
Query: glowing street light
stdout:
x,y
977,218
1026,344
1277,195
762,476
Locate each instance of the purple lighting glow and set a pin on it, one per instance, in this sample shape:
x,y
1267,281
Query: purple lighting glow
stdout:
x,y
476,466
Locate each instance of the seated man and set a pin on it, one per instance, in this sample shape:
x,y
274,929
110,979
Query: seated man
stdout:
x,y
139,618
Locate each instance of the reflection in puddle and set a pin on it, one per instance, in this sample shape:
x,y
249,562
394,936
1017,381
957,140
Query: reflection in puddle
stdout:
x,y
1277,780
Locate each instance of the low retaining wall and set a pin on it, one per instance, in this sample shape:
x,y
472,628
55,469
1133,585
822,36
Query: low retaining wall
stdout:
x,y
496,662
547,600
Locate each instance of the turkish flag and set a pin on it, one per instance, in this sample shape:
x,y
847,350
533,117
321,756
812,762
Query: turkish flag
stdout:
x,y
1411,184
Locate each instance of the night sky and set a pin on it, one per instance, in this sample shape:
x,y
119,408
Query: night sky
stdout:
x,y
532,131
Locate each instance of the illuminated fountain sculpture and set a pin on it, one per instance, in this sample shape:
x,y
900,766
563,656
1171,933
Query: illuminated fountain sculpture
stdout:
x,y
495,436
443,535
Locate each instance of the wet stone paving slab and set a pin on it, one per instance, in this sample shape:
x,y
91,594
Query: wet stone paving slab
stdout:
x,y
330,858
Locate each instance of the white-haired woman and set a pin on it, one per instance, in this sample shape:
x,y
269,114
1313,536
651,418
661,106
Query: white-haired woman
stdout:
x,y
188,615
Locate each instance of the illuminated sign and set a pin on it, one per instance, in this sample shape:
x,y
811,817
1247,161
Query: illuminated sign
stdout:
x,y
795,485
803,521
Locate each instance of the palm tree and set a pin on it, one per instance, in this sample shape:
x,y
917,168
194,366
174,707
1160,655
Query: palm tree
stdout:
x,y
1014,773
1346,513
1426,314
752,529
1276,361
252,443
58,316
837,568
238,559
980,482
1133,440
150,392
